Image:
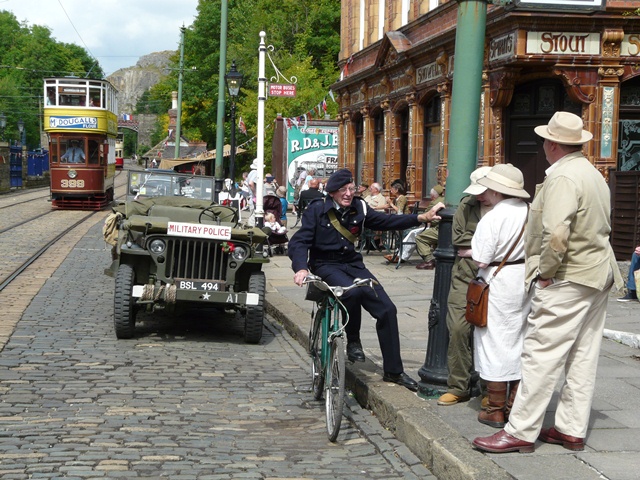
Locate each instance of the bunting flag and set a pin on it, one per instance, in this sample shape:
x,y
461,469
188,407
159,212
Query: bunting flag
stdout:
x,y
126,117
242,126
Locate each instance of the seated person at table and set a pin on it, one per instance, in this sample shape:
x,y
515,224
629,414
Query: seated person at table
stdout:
x,y
376,200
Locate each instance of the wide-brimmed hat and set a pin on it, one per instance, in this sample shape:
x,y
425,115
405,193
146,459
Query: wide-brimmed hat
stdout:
x,y
506,179
565,128
254,164
474,188
281,191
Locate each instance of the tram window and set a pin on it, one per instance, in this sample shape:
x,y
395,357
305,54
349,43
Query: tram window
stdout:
x,y
94,96
73,151
94,152
53,150
51,96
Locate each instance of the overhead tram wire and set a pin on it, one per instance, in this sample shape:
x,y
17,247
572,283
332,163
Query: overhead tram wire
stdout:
x,y
78,33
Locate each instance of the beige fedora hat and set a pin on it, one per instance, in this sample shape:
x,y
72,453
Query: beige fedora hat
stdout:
x,y
506,179
474,188
565,128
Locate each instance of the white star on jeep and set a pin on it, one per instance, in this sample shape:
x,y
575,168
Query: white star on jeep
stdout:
x,y
205,296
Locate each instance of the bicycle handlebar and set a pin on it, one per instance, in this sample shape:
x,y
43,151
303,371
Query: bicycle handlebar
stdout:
x,y
338,290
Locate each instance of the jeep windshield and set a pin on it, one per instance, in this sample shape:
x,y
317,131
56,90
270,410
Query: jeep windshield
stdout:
x,y
145,184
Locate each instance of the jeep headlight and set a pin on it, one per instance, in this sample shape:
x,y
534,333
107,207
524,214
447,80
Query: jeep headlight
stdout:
x,y
157,246
239,253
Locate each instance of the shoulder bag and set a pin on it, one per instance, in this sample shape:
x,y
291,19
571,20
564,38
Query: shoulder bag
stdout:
x,y
478,293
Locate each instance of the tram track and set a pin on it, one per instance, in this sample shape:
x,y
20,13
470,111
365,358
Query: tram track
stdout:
x,y
33,251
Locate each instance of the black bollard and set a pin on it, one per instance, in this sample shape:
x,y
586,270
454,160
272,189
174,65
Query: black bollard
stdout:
x,y
434,372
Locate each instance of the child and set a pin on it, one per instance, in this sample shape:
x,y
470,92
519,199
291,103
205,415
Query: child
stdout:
x,y
270,221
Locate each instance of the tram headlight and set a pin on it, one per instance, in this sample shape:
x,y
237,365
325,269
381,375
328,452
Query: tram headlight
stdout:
x,y
239,253
157,246
72,174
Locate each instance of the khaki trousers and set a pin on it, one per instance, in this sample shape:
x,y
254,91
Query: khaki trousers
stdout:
x,y
564,333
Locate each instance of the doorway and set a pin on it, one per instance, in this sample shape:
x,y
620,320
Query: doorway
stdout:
x,y
533,104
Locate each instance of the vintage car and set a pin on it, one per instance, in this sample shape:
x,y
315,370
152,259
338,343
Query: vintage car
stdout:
x,y
177,246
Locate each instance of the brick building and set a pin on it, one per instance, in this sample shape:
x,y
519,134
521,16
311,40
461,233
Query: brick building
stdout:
x,y
395,92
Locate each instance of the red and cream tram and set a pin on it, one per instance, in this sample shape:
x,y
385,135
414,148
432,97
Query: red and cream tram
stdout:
x,y
120,151
81,122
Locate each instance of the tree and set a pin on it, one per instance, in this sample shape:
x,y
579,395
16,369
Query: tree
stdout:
x,y
28,54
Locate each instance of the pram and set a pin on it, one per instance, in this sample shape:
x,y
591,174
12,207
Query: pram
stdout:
x,y
277,242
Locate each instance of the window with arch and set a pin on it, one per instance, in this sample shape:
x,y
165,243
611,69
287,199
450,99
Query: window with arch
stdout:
x,y
358,129
431,151
379,146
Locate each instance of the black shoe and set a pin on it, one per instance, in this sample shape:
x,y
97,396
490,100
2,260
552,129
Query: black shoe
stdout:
x,y
355,352
631,296
401,379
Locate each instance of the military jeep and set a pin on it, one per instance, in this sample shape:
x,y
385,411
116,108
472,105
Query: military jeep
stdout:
x,y
173,245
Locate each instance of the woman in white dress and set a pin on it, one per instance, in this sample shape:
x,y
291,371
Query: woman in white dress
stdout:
x,y
497,347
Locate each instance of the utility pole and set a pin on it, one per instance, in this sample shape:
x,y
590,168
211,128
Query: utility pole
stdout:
x,y
179,106
219,160
262,97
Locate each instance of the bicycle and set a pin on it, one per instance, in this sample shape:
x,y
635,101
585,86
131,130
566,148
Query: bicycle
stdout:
x,y
326,346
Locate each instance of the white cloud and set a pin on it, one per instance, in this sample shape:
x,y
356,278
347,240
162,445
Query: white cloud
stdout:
x,y
116,32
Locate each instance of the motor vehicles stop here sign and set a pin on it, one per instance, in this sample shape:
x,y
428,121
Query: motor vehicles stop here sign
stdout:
x,y
282,90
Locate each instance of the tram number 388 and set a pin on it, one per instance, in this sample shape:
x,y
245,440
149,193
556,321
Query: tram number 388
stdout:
x,y
71,183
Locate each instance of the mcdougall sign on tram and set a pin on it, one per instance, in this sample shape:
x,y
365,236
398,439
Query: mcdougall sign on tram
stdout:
x,y
73,122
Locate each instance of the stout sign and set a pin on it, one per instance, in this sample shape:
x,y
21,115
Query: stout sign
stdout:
x,y
576,5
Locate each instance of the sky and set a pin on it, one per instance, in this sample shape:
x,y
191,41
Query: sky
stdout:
x,y
115,32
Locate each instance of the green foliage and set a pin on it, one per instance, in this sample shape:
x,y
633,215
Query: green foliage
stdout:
x,y
305,35
27,55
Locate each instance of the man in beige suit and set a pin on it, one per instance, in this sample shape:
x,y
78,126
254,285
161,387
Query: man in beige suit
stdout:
x,y
570,269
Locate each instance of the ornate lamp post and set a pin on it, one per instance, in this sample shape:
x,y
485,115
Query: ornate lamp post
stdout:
x,y
23,133
3,124
234,82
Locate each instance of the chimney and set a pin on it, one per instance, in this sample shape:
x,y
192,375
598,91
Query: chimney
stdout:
x,y
173,112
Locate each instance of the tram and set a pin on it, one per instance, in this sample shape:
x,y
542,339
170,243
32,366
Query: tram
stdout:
x,y
120,151
81,122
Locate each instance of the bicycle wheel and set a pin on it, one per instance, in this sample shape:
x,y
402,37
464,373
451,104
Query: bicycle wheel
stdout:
x,y
315,349
334,389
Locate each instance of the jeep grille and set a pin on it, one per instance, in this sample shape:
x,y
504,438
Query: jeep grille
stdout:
x,y
196,259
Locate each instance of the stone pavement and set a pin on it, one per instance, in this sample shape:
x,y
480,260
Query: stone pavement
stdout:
x,y
441,436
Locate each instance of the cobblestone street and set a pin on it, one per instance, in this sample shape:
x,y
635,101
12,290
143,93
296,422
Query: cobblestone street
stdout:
x,y
185,399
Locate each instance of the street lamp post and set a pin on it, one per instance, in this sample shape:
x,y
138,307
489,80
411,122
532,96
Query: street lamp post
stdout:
x,y
3,124
23,133
234,82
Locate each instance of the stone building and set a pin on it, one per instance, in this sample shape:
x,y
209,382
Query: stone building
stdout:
x,y
396,85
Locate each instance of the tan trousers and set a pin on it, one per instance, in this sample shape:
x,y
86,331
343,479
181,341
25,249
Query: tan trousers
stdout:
x,y
564,333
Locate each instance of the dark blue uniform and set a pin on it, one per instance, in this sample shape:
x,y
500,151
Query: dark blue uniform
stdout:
x,y
318,247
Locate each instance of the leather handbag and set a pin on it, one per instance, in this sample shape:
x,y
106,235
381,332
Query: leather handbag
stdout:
x,y
478,292
477,302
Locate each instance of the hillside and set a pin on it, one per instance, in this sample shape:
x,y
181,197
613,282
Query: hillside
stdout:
x,y
132,82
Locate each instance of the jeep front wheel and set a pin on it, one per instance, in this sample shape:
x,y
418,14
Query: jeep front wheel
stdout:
x,y
124,310
254,317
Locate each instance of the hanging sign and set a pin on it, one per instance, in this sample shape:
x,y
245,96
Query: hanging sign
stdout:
x,y
282,90
575,5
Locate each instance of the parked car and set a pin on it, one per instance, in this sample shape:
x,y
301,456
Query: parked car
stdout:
x,y
178,247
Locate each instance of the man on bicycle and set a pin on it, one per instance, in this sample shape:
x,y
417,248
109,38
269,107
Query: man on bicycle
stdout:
x,y
324,245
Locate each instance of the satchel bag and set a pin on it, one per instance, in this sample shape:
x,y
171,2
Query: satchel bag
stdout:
x,y
478,292
477,302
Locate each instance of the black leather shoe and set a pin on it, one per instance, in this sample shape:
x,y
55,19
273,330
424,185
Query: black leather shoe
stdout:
x,y
355,352
401,379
